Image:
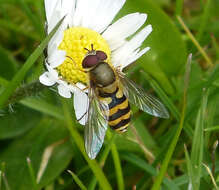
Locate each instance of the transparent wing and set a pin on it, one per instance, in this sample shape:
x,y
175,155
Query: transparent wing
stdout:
x,y
141,99
96,126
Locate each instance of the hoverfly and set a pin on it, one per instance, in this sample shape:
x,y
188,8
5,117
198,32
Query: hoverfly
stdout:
x,y
110,92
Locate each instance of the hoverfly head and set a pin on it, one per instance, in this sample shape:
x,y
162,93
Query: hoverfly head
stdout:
x,y
101,55
93,57
90,61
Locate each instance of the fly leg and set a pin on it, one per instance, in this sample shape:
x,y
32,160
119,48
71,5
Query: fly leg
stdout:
x,y
81,117
75,63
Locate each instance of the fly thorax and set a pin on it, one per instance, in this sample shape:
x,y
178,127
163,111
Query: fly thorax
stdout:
x,y
102,75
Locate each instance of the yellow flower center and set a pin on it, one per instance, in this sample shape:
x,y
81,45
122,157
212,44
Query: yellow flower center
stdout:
x,y
74,42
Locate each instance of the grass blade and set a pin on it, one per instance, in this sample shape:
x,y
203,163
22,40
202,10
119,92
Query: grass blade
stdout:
x,y
32,174
212,177
7,187
103,157
168,102
172,146
204,20
189,167
47,154
26,67
111,138
31,16
3,82
213,155
38,105
138,139
179,7
15,28
214,128
201,50
0,179
104,184
77,180
215,45
43,107
147,168
198,142
163,96
118,167
27,90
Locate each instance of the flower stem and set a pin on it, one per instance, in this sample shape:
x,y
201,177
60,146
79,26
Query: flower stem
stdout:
x,y
26,91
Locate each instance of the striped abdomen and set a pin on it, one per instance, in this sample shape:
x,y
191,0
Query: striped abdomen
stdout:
x,y
119,109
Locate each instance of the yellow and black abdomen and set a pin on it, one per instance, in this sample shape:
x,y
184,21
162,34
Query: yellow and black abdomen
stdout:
x,y
119,113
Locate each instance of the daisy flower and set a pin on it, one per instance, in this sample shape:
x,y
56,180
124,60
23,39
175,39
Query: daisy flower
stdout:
x,y
89,22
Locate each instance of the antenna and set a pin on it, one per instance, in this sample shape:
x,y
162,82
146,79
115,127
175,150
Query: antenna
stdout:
x,y
92,48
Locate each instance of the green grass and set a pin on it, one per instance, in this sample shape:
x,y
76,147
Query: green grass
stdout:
x,y
32,174
77,180
175,153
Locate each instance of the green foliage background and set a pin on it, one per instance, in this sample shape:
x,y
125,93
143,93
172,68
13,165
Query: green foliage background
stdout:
x,y
40,139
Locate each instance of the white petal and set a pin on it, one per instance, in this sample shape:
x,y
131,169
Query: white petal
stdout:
x,y
91,6
56,58
107,12
61,8
123,28
128,50
68,6
81,86
137,40
57,38
54,14
80,11
50,8
46,79
81,104
57,9
135,56
96,14
52,73
64,91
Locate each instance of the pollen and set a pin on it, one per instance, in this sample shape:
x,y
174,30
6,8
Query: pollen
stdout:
x,y
74,42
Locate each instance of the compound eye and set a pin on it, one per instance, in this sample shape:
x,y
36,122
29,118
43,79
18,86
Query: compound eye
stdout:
x,y
101,55
89,61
